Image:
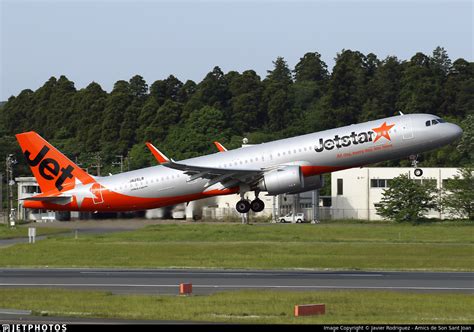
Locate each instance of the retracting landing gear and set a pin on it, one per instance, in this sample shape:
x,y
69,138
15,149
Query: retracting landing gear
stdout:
x,y
244,206
414,162
257,205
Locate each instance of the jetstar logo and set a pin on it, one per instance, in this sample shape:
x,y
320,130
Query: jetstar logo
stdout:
x,y
382,131
355,138
49,168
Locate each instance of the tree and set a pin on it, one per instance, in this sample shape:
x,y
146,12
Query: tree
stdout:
x,y
383,90
421,90
117,103
466,145
280,74
169,88
311,80
88,106
458,90
441,61
246,90
166,116
458,194
138,87
347,88
277,98
311,68
214,89
406,200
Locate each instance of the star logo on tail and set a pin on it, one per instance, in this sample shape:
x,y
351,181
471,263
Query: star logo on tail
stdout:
x,y
382,131
83,191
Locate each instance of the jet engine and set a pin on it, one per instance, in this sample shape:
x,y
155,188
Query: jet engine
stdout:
x,y
289,180
283,180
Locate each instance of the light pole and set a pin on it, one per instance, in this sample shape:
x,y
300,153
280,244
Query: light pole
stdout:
x,y
10,162
119,162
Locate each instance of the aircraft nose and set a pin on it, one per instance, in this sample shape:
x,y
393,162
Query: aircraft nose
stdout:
x,y
454,131
450,132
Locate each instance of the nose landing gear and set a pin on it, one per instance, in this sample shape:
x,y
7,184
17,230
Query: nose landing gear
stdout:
x,y
414,162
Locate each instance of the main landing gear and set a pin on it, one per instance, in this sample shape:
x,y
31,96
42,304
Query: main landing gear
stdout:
x,y
244,205
414,162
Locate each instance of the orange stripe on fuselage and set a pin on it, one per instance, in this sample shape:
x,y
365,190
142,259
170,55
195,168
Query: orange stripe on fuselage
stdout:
x,y
113,201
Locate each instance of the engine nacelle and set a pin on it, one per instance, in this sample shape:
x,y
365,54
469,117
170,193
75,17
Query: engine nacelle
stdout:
x,y
284,180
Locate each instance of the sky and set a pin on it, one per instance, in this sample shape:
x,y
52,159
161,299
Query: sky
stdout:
x,y
109,40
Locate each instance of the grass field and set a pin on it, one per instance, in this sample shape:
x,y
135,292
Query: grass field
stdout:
x,y
342,307
357,246
16,232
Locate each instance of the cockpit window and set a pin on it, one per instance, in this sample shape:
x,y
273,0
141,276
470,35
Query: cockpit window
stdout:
x,y
433,122
428,123
441,120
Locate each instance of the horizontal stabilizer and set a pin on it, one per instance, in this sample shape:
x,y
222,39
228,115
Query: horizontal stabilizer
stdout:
x,y
61,200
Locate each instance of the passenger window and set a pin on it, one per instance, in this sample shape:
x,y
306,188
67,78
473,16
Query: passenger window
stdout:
x,y
428,123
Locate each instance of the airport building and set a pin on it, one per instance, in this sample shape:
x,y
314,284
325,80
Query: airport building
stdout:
x,y
356,192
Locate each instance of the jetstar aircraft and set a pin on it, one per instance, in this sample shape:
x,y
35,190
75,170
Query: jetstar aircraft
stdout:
x,y
289,165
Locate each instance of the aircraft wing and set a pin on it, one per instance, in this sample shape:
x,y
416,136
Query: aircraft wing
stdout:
x,y
226,176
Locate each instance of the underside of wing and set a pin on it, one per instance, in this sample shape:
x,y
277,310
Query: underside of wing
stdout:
x,y
226,176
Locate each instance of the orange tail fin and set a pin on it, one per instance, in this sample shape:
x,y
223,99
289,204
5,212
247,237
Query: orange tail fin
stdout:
x,y
53,170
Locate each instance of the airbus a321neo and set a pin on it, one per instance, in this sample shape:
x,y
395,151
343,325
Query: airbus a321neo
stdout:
x,y
289,165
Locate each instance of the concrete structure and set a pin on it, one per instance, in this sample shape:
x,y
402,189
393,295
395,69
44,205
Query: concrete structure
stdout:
x,y
355,192
27,187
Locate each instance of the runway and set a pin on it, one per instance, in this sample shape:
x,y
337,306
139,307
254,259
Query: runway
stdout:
x,y
162,281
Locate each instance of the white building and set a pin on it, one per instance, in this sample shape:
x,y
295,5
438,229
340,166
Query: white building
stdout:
x,y
356,191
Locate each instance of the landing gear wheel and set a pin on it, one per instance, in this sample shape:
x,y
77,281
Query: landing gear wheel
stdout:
x,y
257,205
418,172
242,206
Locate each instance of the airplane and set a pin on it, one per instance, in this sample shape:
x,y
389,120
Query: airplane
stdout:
x,y
285,166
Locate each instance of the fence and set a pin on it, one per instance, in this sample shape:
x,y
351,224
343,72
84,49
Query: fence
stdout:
x,y
325,213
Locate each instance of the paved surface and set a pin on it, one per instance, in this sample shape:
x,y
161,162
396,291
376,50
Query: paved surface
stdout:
x,y
210,281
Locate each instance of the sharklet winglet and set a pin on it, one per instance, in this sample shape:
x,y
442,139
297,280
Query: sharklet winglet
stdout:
x,y
159,156
220,147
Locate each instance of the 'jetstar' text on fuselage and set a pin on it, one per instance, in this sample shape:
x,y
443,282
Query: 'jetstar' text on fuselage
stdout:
x,y
344,141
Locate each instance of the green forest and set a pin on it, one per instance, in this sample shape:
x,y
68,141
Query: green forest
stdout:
x,y
182,119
